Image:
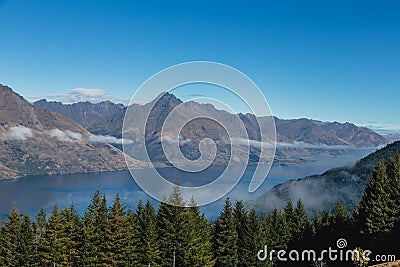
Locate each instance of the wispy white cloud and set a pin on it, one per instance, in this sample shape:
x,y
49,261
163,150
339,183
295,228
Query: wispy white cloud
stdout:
x,y
107,139
80,95
181,141
22,133
17,133
294,145
65,136
382,128
69,136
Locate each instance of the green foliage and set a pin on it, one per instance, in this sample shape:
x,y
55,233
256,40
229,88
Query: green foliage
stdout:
x,y
95,227
117,234
242,228
17,240
51,243
254,241
199,248
172,230
179,234
226,238
346,184
143,227
377,215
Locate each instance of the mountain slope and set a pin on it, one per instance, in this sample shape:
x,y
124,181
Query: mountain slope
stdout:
x,y
109,124
37,141
106,118
306,131
358,136
323,191
83,113
298,139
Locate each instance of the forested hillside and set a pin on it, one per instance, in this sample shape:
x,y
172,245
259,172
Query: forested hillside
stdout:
x,y
323,191
117,236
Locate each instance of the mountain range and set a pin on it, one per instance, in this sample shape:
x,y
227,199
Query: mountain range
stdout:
x,y
51,137
37,141
297,139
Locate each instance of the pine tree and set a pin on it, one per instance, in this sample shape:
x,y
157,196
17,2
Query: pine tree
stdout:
x,y
226,238
95,224
316,222
117,234
290,217
279,229
340,217
393,172
373,213
255,240
26,247
172,229
10,238
17,240
144,225
51,245
71,233
39,228
377,215
301,221
242,227
199,248
393,206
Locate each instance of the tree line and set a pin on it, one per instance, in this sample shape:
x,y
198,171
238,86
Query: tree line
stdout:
x,y
175,235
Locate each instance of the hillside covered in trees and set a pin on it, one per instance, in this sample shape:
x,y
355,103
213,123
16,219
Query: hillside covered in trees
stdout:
x,y
319,192
177,236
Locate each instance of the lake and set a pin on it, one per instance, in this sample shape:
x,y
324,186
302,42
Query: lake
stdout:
x,y
35,192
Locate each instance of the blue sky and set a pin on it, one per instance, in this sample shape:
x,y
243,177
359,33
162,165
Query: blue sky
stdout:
x,y
327,60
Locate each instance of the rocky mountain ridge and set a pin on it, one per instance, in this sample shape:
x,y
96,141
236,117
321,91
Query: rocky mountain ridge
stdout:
x,y
297,139
36,141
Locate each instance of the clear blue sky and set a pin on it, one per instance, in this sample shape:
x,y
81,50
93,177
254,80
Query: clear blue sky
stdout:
x,y
327,60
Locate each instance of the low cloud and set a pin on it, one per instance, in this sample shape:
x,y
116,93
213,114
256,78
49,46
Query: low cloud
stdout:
x,y
294,145
79,95
69,136
382,128
65,136
22,133
18,133
181,140
107,139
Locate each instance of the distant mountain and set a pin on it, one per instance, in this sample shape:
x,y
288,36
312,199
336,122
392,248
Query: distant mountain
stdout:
x,y
83,113
297,138
37,141
306,131
392,137
323,191
352,134
110,124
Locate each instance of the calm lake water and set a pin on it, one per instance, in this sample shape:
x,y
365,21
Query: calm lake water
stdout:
x,y
35,192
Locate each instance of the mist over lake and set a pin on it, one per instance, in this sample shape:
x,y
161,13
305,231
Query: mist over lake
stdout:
x,y
35,192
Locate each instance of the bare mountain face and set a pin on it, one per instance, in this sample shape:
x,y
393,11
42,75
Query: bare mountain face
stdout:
x,y
352,134
37,141
298,139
